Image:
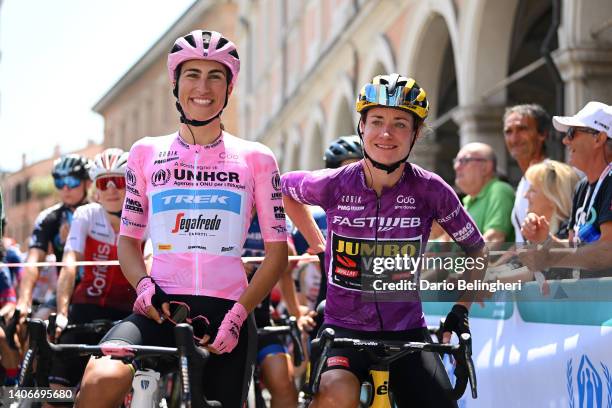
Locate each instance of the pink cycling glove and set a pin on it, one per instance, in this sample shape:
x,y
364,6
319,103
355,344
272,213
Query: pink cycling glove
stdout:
x,y
229,331
148,294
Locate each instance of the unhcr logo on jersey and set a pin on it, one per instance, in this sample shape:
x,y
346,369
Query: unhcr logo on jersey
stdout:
x,y
183,199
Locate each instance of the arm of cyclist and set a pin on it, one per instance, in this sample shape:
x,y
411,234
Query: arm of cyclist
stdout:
x,y
457,319
304,221
28,280
149,295
266,277
65,288
289,294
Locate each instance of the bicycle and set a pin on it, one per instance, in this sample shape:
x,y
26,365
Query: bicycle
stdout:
x,y
190,360
384,353
291,330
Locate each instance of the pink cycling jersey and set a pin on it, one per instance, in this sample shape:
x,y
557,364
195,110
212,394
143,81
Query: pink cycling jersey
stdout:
x,y
197,202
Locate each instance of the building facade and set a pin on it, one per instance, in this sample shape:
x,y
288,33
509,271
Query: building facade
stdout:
x,y
305,61
30,190
141,102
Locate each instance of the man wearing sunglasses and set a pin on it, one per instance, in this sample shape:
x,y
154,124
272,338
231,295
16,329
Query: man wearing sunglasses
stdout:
x,y
489,200
70,174
588,138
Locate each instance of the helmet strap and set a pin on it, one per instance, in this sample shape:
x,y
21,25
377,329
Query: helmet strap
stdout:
x,y
194,122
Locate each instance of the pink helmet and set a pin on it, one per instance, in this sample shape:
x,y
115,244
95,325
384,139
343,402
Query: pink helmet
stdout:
x,y
204,45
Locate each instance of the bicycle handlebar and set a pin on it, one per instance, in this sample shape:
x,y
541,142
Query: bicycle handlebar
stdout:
x,y
191,358
462,352
293,331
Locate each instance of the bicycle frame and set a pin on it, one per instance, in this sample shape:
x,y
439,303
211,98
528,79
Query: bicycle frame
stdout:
x,y
393,350
191,359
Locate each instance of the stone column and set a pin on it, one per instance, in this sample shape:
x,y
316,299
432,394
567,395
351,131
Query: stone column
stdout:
x,y
483,123
587,73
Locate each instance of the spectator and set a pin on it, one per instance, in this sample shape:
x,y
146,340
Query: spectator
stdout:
x,y
589,141
488,200
550,200
526,128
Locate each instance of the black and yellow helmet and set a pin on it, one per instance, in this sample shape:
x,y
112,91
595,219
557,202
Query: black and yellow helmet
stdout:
x,y
393,91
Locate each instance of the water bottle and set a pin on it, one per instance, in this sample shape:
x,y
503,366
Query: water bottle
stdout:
x,y
145,389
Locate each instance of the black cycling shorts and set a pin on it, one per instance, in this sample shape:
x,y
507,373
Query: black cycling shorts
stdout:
x,y
69,371
417,379
227,376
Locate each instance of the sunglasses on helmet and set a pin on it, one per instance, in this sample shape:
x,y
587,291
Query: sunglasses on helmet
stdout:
x,y
402,96
66,181
103,183
179,313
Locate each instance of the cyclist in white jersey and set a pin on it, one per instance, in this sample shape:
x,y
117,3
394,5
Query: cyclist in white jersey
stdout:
x,y
195,190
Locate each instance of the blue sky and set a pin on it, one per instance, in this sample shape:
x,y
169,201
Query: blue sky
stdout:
x,y
59,58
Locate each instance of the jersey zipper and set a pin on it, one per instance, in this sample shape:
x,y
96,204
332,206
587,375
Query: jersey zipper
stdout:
x,y
197,257
380,320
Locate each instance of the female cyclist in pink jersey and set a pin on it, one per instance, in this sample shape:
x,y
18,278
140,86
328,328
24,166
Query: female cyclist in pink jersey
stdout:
x,y
194,190
376,206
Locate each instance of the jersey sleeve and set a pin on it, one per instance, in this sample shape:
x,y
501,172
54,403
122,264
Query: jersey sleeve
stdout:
x,y
307,187
40,237
78,231
455,220
268,197
136,205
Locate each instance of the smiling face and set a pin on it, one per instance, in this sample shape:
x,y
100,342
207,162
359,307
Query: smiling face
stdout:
x,y
202,88
112,198
538,202
387,134
473,168
581,148
523,140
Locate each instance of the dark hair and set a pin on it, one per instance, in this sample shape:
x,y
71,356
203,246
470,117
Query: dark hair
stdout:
x,y
537,112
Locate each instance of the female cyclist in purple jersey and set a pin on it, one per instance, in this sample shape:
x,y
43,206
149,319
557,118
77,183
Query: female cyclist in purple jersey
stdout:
x,y
380,204
194,190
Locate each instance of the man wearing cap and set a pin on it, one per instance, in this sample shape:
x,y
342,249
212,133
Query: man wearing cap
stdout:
x,y
588,137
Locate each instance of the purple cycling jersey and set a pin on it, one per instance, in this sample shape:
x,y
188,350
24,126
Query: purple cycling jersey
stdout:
x,y
405,213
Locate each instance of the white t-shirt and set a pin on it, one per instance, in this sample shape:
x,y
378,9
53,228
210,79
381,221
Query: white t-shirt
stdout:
x,y
519,211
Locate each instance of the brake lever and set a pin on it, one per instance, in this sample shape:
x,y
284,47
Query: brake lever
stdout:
x,y
466,340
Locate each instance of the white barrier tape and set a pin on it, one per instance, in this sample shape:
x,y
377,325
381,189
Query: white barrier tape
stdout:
x,y
246,259
257,259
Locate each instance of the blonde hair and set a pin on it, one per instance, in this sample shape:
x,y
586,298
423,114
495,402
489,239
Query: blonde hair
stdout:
x,y
557,182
